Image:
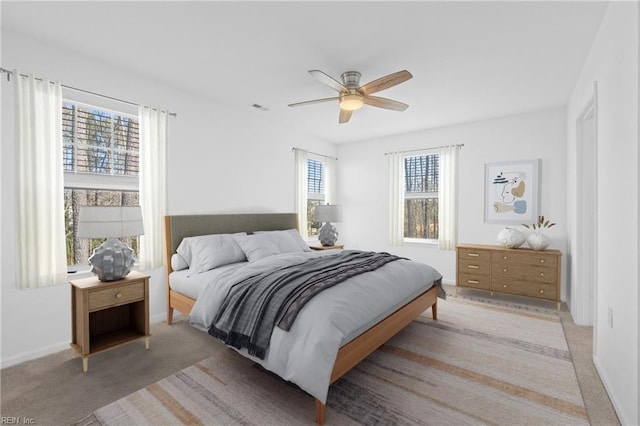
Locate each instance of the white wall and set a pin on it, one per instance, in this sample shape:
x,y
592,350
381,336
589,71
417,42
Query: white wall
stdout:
x,y
220,160
613,64
364,176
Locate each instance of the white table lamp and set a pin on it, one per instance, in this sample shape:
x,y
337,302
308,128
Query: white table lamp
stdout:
x,y
112,260
328,213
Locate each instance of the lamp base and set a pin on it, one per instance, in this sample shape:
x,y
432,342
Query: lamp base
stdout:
x,y
112,261
328,235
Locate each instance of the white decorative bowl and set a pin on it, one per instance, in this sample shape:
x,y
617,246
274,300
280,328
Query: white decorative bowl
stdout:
x,y
538,241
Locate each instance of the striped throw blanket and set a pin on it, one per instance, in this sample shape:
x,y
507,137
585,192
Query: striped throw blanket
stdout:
x,y
255,305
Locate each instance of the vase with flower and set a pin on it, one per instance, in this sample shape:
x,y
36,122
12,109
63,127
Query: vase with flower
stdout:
x,y
537,240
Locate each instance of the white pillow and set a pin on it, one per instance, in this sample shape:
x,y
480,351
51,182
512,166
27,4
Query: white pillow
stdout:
x,y
268,243
206,252
178,263
284,242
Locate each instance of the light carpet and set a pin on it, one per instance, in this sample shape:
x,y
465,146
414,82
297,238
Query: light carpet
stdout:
x,y
477,364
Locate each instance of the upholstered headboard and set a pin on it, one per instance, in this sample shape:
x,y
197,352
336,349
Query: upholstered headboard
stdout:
x,y
181,226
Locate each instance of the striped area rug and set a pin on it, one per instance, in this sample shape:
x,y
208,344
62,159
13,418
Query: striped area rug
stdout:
x,y
478,364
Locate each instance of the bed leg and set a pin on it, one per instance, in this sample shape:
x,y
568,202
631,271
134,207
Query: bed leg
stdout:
x,y
434,310
169,315
321,412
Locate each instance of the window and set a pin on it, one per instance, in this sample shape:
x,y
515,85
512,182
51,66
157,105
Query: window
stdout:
x,y
315,193
421,197
101,163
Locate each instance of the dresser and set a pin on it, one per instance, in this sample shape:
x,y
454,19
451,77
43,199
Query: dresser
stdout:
x,y
108,314
522,272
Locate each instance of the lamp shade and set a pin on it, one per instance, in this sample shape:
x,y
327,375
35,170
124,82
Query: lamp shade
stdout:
x,y
109,221
328,213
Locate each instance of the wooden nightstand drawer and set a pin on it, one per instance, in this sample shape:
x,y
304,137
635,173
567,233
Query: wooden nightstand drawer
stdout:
x,y
99,299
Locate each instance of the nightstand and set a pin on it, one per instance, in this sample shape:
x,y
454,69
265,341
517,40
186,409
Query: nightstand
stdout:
x,y
108,314
321,247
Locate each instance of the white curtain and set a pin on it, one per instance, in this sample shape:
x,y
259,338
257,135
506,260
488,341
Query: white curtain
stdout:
x,y
153,184
331,178
448,198
42,254
300,157
396,195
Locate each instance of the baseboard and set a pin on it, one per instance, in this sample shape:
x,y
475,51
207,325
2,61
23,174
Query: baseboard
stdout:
x,y
603,379
28,356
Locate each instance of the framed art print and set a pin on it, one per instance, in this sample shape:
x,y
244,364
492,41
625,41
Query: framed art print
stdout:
x,y
511,192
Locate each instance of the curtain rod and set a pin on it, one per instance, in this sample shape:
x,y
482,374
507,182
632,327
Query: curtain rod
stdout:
x,y
314,153
459,145
9,73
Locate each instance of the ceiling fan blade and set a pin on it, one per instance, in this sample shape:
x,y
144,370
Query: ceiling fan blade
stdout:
x,y
329,81
385,82
345,115
385,103
315,101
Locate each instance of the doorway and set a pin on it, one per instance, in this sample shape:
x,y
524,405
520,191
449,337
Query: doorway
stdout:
x,y
586,278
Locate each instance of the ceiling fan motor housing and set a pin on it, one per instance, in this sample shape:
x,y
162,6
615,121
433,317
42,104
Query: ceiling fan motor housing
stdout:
x,y
351,79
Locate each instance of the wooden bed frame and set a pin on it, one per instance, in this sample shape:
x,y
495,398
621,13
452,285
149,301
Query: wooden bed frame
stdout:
x,y
349,355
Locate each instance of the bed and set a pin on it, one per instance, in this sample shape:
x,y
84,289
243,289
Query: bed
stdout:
x,y
351,349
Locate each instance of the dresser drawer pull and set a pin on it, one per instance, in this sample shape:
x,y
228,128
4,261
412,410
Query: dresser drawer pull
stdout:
x,y
473,281
504,285
473,254
473,267
505,257
541,260
541,291
504,270
542,274
119,295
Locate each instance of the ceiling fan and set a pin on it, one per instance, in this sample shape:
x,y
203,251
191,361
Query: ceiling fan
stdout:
x,y
352,96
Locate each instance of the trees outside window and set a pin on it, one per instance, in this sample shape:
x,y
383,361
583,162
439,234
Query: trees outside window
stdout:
x,y
421,196
101,163
315,193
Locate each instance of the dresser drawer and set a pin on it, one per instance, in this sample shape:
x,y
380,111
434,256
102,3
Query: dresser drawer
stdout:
x,y
525,258
474,281
473,267
524,288
114,296
477,255
543,274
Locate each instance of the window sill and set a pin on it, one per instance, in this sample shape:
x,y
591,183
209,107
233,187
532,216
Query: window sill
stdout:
x,y
419,242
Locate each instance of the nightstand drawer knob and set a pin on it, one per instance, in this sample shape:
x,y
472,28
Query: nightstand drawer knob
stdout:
x,y
473,267
118,295
474,254
473,281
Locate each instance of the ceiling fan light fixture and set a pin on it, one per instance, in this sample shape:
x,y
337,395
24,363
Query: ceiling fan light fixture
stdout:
x,y
351,102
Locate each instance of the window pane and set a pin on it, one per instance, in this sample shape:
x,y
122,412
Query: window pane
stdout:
x,y
313,227
315,181
421,218
79,250
421,173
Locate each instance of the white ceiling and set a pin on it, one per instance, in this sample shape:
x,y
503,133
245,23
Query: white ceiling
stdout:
x,y
470,60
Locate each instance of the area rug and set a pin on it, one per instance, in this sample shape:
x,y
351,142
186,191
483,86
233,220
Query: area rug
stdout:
x,y
477,364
